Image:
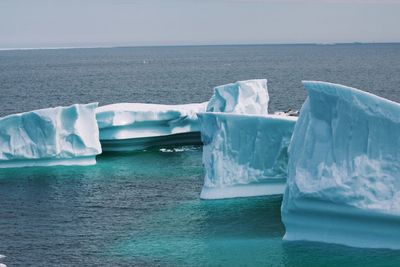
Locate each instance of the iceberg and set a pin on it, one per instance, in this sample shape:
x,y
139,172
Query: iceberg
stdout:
x,y
137,126
343,182
242,97
244,155
51,136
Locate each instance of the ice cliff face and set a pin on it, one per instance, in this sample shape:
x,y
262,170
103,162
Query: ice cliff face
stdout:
x,y
344,169
52,136
244,155
135,126
243,97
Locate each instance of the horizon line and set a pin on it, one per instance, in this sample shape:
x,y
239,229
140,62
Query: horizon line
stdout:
x,y
189,45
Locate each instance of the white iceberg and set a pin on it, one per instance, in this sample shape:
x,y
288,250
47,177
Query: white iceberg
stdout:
x,y
242,97
244,155
137,126
344,169
52,136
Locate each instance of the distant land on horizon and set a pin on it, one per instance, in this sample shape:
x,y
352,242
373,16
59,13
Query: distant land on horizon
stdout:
x,y
27,24
191,45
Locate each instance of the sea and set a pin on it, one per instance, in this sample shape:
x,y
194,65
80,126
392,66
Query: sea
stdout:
x,y
143,208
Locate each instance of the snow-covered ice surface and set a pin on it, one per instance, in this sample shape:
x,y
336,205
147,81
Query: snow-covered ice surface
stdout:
x,y
244,155
344,169
242,97
136,126
52,136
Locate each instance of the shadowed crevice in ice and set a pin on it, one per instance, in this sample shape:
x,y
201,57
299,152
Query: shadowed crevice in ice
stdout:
x,y
137,126
343,184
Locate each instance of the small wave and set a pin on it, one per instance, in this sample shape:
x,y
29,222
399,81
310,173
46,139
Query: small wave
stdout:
x,y
178,149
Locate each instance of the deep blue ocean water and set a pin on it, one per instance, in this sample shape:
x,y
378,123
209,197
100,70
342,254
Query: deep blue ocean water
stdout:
x,y
143,208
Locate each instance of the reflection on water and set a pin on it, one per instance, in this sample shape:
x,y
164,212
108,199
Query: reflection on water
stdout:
x,y
238,231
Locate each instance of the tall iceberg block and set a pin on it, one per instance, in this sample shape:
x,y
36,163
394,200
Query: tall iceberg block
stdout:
x,y
52,136
136,126
244,155
242,97
344,169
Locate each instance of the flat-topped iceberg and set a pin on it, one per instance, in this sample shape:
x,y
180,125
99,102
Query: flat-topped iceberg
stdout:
x,y
242,97
51,136
244,155
344,169
136,126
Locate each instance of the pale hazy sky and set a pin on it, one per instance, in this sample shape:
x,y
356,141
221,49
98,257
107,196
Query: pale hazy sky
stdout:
x,y
60,23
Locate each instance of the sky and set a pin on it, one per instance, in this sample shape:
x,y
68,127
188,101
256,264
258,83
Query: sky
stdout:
x,y
92,23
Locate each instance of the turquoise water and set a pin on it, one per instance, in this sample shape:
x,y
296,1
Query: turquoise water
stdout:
x,y
143,209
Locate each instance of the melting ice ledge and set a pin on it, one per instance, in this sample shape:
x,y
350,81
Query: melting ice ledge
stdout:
x,y
137,126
